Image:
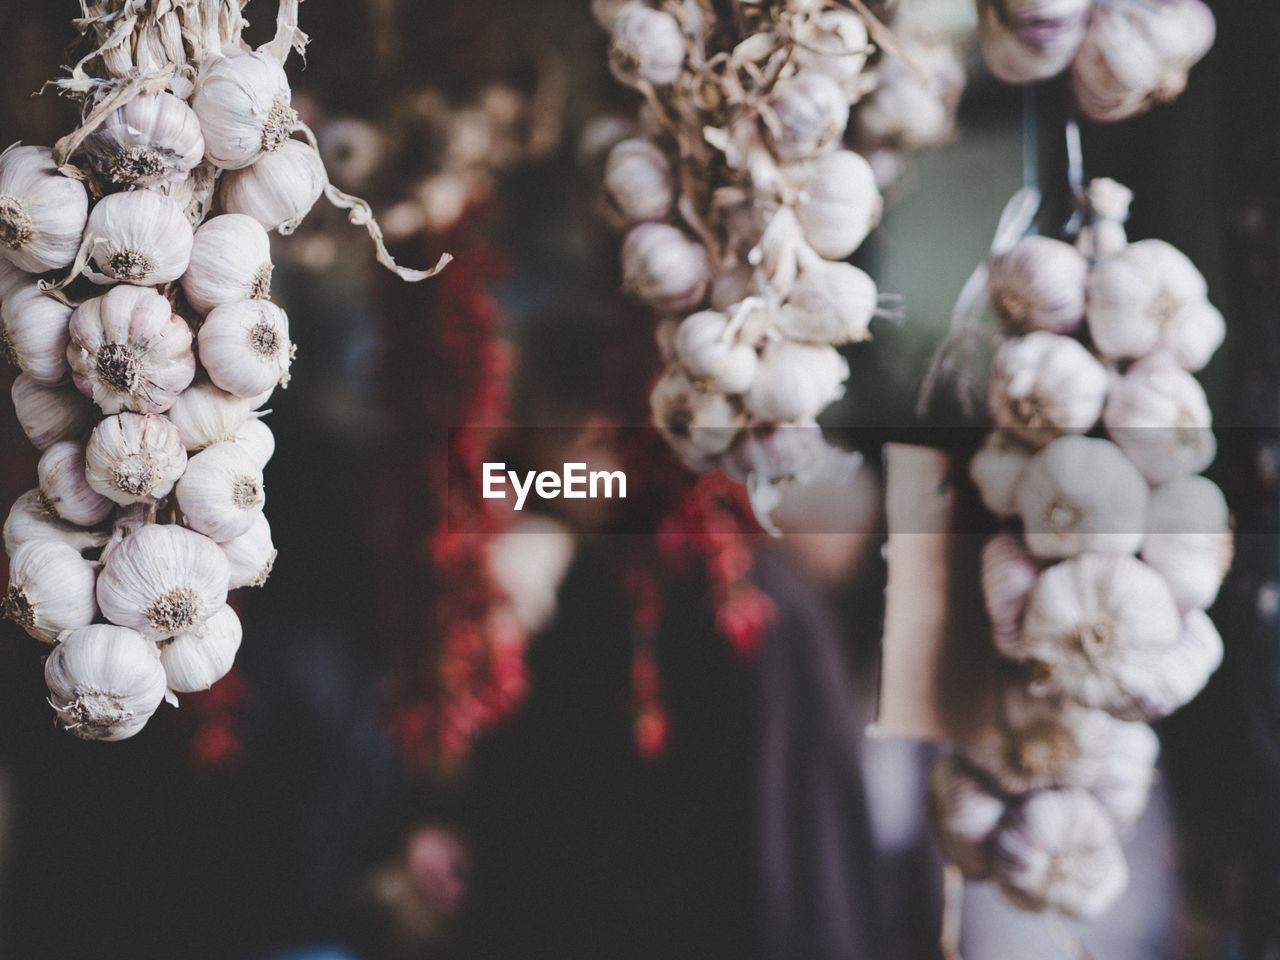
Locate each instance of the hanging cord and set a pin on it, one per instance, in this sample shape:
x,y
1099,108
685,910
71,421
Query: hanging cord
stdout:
x,y
1081,215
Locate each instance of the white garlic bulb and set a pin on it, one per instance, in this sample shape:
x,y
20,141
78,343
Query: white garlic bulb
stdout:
x,y
664,268
279,190
66,489
251,555
221,492
152,139
907,110
1043,385
966,814
696,423
130,351
162,580
795,381
1181,672
198,658
230,260
42,212
1058,850
134,458
257,439
708,353
51,589
139,237
33,334
245,348
1025,41
840,203
1008,576
1039,284
50,414
1081,493
645,46
834,42
31,519
204,414
1158,414
805,115
242,101
830,302
1103,234
105,682
996,469
1189,539
638,182
1123,771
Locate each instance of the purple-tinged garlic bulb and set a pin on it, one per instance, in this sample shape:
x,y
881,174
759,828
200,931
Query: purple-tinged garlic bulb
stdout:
x,y
1008,576
1026,41
966,814
230,261
1159,416
1044,385
42,212
1189,539
664,268
33,334
1039,284
51,589
150,141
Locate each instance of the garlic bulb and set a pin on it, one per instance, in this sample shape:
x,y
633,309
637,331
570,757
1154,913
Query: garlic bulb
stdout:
x,y
33,334
1008,576
1159,416
1181,672
638,181
1081,493
138,237
834,42
1189,539
204,414
996,470
1025,41
42,212
908,110
664,268
31,519
242,101
966,814
1039,284
251,555
230,261
701,344
245,348
1043,385
130,351
1103,234
840,203
134,458
66,489
830,302
50,414
1058,850
221,492
695,422
770,452
1102,629
151,140
198,658
51,589
646,46
796,380
806,115
1124,770
162,580
279,190
105,682
257,439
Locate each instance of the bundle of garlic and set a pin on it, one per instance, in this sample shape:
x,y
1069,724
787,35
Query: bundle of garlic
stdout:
x,y
1125,56
740,205
147,349
1115,547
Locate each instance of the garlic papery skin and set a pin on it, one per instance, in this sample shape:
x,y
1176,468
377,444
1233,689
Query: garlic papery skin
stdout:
x,y
134,458
1025,41
198,658
830,302
834,42
1189,539
230,261
204,414
66,489
33,334
806,115
162,580
708,353
139,237
664,268
796,381
50,414
696,423
51,589
1101,629
1038,284
996,471
257,440
1058,850
839,203
245,348
1044,385
42,212
638,182
1082,493
966,814
151,140
1158,414
30,519
279,190
242,101
251,555
105,682
1008,576
646,46
128,350
221,493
